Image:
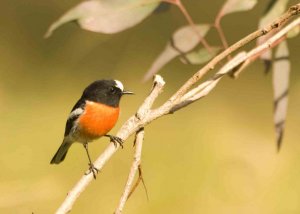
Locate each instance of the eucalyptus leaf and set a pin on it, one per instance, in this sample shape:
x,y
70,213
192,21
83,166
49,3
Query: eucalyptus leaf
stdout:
x,y
106,16
274,11
281,74
188,37
270,5
200,56
233,6
183,40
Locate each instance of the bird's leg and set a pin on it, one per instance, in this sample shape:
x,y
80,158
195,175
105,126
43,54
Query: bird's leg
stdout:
x,y
92,168
116,140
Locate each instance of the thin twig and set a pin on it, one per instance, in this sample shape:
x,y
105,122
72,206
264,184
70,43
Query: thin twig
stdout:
x,y
134,168
220,31
247,62
140,178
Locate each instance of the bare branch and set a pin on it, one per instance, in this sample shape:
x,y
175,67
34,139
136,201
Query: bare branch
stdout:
x,y
145,107
220,31
134,168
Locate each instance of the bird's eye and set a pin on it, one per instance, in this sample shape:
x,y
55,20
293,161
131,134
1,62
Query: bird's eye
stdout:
x,y
112,89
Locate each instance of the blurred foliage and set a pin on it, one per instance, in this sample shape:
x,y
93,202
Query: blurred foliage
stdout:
x,y
109,17
216,156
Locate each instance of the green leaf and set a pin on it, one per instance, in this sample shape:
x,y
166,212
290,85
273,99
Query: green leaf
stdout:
x,y
106,16
281,74
200,56
183,40
233,6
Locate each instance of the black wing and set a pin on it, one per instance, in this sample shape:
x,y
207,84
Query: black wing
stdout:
x,y
74,116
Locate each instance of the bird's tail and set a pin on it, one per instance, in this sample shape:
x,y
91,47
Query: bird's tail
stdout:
x,y
61,152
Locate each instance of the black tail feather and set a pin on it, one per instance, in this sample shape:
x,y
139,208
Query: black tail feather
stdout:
x,y
61,153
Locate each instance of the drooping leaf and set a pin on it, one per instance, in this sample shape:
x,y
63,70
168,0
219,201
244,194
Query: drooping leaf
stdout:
x,y
106,16
165,57
200,56
281,73
188,37
274,9
233,6
269,6
183,40
266,57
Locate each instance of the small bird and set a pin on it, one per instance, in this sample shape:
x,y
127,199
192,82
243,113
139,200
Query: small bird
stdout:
x,y
92,117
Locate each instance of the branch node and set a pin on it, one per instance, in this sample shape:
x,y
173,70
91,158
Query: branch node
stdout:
x,y
275,25
264,31
295,9
158,84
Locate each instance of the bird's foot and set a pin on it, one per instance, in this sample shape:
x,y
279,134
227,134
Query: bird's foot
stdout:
x,y
92,169
116,140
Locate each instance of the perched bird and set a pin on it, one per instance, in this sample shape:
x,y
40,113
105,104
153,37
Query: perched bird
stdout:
x,y
93,116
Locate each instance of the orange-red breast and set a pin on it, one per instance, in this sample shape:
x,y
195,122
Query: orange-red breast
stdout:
x,y
93,116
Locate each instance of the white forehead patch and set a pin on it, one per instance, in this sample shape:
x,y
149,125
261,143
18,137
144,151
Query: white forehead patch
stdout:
x,y
119,85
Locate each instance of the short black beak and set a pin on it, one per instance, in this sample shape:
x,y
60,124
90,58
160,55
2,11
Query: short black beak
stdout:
x,y
127,92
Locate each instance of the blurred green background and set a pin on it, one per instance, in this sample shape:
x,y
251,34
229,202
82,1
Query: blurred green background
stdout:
x,y
216,156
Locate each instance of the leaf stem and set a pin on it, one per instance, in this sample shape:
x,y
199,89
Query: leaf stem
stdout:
x,y
191,22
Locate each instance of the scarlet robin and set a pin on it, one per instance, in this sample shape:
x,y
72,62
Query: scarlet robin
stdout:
x,y
92,117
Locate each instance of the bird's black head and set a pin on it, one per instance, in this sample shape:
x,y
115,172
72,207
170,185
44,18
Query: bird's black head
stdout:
x,y
108,92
